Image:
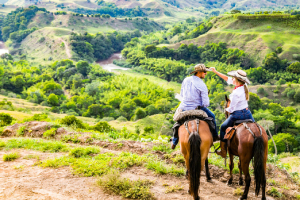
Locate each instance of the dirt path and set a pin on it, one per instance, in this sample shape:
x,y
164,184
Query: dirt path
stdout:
x,y
22,180
68,52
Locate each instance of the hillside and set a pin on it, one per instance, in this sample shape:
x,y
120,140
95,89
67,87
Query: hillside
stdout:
x,y
255,37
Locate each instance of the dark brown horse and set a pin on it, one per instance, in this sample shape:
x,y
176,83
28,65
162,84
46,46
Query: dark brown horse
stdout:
x,y
247,146
195,141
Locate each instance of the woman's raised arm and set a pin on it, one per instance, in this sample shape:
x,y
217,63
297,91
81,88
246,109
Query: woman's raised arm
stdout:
x,y
224,77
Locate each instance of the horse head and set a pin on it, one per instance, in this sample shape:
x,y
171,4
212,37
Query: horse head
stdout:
x,y
227,104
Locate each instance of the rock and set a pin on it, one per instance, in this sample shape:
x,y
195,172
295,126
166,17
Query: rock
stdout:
x,y
222,179
61,131
11,130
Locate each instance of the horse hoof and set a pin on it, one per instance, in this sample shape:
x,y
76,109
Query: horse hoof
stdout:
x,y
229,182
209,180
188,192
242,198
241,183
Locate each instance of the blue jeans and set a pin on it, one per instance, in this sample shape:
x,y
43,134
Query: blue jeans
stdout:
x,y
236,115
209,114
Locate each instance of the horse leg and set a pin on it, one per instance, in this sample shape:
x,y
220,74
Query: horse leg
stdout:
x,y
241,181
245,167
231,166
208,178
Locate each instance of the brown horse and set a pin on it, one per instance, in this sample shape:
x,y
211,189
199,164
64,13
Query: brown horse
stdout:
x,y
195,141
247,146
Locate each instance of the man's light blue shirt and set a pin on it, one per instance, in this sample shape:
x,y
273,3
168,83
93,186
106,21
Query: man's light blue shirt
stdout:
x,y
193,93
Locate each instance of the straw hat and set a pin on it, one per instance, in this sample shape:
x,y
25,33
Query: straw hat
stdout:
x,y
239,74
200,68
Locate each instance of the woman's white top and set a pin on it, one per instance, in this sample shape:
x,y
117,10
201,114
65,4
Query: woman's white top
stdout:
x,y
237,98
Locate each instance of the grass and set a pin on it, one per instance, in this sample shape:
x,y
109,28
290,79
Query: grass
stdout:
x,y
238,192
274,192
36,144
78,152
173,188
163,148
139,189
161,167
50,133
30,157
11,156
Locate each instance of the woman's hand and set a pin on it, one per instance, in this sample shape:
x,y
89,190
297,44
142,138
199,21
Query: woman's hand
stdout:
x,y
213,69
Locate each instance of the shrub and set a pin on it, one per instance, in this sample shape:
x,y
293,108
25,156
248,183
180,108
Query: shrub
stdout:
x,y
121,119
84,151
139,189
102,126
139,113
5,119
21,131
260,90
72,121
149,129
11,156
42,39
50,133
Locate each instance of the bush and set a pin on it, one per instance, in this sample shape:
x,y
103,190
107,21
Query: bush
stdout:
x,y
84,151
139,113
149,129
102,126
50,133
11,156
260,90
72,121
285,142
139,189
5,119
121,119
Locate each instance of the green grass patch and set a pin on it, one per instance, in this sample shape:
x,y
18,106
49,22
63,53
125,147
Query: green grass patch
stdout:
x,y
21,131
49,133
84,151
37,144
162,148
161,167
127,188
274,192
11,156
30,157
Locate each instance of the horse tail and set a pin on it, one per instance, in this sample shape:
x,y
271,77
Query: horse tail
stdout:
x,y
258,163
194,163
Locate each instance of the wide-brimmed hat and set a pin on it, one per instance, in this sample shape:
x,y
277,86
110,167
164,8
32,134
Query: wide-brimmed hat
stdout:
x,y
200,68
239,74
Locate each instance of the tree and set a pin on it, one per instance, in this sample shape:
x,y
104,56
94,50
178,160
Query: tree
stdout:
x,y
294,68
272,62
275,109
235,11
149,49
139,113
254,102
278,50
53,100
284,142
83,67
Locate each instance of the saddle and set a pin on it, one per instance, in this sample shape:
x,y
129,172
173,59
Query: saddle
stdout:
x,y
230,131
184,116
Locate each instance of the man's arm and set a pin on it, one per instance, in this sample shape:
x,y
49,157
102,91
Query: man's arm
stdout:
x,y
205,98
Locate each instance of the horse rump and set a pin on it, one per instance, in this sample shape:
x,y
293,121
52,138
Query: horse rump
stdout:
x,y
194,163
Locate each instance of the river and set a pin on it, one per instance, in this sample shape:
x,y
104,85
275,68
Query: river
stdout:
x,y
108,63
3,48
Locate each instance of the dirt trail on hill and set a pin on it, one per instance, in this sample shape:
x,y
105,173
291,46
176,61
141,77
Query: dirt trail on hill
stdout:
x,y
22,180
68,52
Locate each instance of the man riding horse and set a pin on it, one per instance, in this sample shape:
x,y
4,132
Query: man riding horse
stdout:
x,y
194,95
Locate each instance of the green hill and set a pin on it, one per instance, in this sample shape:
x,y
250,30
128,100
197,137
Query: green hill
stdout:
x,y
255,37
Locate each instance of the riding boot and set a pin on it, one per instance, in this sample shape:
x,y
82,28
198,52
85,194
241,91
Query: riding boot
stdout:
x,y
223,151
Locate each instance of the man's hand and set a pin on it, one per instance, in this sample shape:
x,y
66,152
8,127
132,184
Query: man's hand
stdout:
x,y
213,69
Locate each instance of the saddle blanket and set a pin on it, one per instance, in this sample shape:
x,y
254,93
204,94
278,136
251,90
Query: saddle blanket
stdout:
x,y
179,114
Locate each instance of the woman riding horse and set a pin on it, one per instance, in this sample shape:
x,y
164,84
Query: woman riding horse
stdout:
x,y
238,108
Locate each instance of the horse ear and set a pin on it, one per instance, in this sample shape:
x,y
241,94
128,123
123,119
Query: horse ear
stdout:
x,y
226,98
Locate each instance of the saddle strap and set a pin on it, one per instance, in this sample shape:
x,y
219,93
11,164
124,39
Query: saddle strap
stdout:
x,y
258,126
260,131
247,127
186,124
